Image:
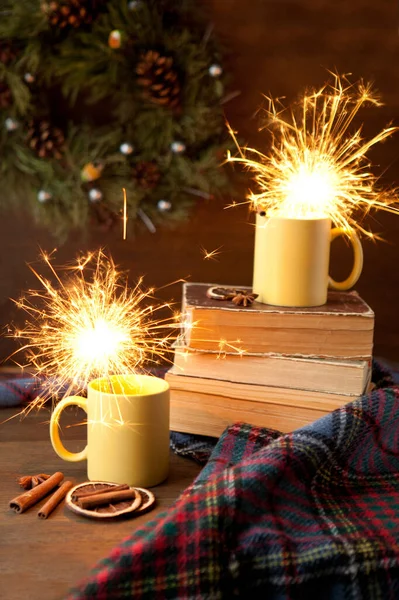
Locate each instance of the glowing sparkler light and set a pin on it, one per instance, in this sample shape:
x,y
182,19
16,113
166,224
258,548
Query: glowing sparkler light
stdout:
x,y
124,213
316,166
210,255
88,327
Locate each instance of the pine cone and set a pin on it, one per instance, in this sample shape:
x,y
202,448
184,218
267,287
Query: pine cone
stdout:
x,y
159,79
46,140
103,217
5,95
8,52
71,13
146,174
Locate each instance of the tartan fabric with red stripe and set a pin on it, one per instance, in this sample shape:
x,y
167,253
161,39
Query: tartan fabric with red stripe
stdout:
x,y
311,514
17,388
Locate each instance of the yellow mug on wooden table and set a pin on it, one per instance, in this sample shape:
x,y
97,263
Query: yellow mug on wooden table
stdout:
x,y
292,258
127,429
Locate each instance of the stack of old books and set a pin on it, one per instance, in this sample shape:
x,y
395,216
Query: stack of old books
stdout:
x,y
270,366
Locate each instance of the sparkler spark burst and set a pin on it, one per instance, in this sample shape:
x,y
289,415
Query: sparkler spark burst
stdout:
x,y
88,327
212,254
317,166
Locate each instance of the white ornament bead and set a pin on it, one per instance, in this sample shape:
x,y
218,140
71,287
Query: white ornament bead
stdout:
x,y
95,195
164,205
215,70
29,78
178,147
11,124
44,196
126,148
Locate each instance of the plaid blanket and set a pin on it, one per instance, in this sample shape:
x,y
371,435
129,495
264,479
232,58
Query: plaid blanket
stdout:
x,y
311,514
16,388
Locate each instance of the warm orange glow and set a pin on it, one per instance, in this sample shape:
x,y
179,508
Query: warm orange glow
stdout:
x,y
317,166
89,325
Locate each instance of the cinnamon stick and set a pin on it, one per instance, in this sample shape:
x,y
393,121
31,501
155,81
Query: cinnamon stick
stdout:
x,y
115,488
111,498
54,500
31,497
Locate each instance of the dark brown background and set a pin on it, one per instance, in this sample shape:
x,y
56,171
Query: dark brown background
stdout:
x,y
276,46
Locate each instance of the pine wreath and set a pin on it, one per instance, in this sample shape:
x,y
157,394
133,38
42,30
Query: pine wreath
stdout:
x,y
137,91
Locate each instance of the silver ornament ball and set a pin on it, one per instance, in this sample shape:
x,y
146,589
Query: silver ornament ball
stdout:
x,y
126,148
11,124
133,4
95,195
215,70
43,196
164,205
29,78
178,147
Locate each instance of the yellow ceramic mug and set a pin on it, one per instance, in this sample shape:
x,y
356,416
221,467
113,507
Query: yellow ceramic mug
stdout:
x,y
292,259
127,429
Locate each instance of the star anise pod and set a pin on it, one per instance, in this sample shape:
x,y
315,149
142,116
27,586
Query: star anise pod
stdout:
x,y
244,298
25,482
38,479
30,481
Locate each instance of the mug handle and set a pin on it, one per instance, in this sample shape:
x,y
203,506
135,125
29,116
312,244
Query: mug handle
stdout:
x,y
54,429
357,260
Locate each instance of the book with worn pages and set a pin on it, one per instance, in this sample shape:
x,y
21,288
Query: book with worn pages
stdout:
x,y
207,406
341,328
270,366
325,375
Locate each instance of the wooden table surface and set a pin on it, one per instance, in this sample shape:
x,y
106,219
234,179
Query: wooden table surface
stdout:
x,y
41,560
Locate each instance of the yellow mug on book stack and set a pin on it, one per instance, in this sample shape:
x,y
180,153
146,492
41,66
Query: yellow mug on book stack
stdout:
x,y
127,429
292,258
